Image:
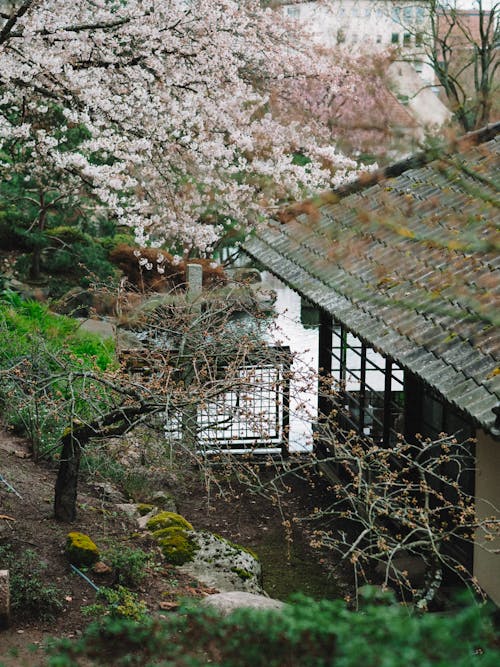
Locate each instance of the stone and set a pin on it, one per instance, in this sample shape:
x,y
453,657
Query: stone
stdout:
x,y
130,509
194,279
80,549
108,492
4,599
222,565
101,568
143,520
226,603
164,500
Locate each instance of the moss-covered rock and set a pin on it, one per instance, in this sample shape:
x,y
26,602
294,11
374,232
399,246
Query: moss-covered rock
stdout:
x,y
221,564
242,573
164,500
144,508
168,520
238,547
81,550
177,546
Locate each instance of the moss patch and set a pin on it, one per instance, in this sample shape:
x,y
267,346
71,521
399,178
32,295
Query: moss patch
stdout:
x,y
242,573
144,508
80,550
168,520
177,546
239,547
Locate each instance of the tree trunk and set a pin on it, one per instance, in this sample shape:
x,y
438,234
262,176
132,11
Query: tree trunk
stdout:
x,y
67,479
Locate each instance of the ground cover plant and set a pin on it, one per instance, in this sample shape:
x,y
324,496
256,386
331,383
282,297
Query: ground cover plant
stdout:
x,y
306,633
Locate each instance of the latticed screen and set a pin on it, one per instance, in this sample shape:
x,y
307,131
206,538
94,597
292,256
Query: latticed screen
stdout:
x,y
253,413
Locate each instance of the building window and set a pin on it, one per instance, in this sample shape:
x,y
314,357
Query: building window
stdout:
x,y
419,39
370,399
419,66
293,12
395,38
379,39
408,15
406,39
340,36
420,14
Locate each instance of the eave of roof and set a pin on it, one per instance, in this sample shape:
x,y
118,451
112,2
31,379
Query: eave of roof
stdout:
x,y
410,264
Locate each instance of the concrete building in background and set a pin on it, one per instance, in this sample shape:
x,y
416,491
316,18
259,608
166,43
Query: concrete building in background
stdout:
x,y
376,26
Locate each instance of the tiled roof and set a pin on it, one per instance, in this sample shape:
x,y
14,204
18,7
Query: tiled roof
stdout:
x,y
410,264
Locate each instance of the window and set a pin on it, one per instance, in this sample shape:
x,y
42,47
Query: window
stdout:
x,y
293,12
379,39
419,66
340,36
419,39
395,38
406,39
420,14
408,15
371,399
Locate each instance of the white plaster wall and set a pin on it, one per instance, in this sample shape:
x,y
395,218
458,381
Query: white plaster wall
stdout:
x,y
487,565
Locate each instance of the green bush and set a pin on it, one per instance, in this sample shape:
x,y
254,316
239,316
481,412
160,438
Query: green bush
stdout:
x,y
306,633
128,564
31,598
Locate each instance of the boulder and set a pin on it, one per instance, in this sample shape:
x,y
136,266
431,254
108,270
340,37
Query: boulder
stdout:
x,y
80,549
108,492
226,603
220,564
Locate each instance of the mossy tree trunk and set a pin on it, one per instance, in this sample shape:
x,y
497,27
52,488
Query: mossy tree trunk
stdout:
x,y
67,477
114,423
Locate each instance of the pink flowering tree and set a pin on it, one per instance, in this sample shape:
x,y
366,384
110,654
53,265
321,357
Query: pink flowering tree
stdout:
x,y
159,114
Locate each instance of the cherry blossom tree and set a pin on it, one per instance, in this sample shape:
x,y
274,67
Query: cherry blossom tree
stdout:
x,y
159,113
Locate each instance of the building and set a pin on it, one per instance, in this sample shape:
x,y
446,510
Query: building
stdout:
x,y
365,27
370,25
405,270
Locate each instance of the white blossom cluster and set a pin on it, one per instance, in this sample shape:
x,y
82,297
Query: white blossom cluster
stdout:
x,y
174,100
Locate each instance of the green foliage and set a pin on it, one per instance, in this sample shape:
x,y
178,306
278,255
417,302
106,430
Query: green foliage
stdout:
x,y
117,602
80,549
28,319
168,520
133,482
109,243
129,565
34,343
30,596
306,633
81,263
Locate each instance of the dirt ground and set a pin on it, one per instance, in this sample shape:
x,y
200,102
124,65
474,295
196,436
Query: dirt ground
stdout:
x,y
238,514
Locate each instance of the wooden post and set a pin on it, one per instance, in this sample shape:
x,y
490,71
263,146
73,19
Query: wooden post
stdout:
x,y
324,374
4,599
324,362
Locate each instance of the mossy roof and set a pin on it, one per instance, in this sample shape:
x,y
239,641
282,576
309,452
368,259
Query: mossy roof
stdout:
x,y
408,260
